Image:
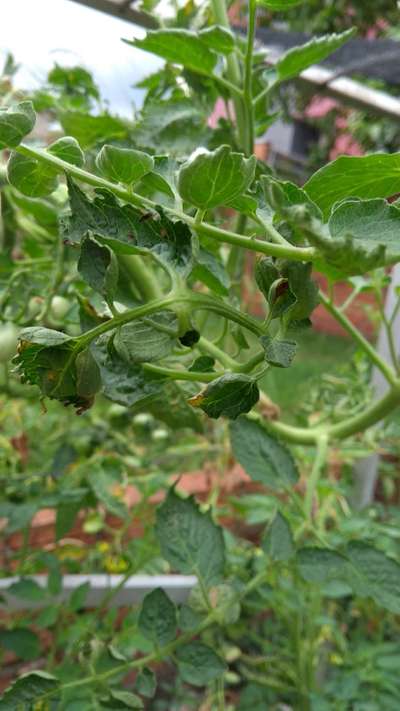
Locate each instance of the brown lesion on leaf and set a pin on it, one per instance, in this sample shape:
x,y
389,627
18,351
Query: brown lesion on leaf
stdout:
x,y
196,400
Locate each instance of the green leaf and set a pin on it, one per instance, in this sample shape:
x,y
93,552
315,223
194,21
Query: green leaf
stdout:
x,y
189,619
366,570
27,589
378,576
278,541
302,287
262,457
297,59
54,579
123,382
42,355
48,616
369,229
65,517
279,353
48,359
172,125
145,683
171,406
279,4
15,123
149,339
127,230
190,541
266,273
87,378
75,81
362,235
124,165
199,664
203,364
288,200
126,699
245,204
218,38
98,266
289,290
28,689
230,395
22,641
105,480
90,130
69,150
161,179
31,177
78,597
157,618
213,178
225,604
365,177
19,515
211,272
178,46
42,210
321,565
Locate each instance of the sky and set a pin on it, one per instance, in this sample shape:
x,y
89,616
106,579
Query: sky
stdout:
x,y
40,33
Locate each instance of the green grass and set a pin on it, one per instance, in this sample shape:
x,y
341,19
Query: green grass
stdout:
x,y
317,353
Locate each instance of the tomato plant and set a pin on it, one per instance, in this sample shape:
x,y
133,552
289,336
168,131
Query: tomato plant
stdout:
x,y
126,249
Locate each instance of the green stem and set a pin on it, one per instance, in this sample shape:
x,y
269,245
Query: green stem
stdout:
x,y
211,349
272,233
196,301
254,245
388,330
261,95
248,366
248,77
372,354
142,277
299,254
130,315
182,374
198,218
232,88
236,256
221,695
233,72
312,483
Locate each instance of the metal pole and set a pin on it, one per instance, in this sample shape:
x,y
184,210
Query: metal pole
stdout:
x,y
366,470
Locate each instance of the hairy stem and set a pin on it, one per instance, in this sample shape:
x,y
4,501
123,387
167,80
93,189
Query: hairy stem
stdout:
x,y
254,245
211,349
233,72
248,76
192,375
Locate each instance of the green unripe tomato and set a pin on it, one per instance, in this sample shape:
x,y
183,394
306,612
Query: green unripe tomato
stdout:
x,y
142,419
59,307
116,410
8,341
35,305
159,434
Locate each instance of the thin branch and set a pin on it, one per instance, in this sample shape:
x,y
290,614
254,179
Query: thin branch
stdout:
x,y
373,355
